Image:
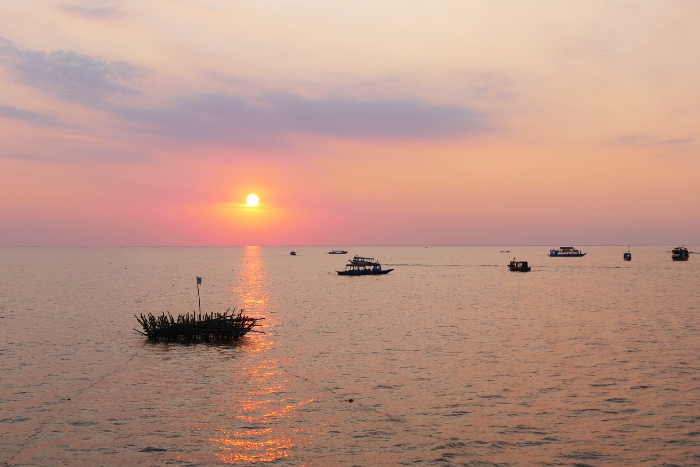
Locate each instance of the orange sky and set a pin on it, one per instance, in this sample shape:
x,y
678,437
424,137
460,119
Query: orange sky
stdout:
x,y
383,122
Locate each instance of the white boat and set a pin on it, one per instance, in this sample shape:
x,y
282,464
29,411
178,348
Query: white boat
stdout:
x,y
566,252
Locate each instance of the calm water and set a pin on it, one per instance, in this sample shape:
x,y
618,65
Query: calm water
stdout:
x,y
450,360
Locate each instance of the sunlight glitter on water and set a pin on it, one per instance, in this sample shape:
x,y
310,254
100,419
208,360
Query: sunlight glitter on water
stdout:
x,y
264,381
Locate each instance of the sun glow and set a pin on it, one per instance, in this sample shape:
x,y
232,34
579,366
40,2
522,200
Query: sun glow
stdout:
x,y
252,200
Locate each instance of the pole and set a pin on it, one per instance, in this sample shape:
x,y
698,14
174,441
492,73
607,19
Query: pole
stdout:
x,y
199,300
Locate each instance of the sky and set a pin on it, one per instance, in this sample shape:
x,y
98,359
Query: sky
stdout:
x,y
356,122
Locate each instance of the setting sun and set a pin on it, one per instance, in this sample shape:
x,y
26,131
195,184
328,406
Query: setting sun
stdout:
x,y
252,200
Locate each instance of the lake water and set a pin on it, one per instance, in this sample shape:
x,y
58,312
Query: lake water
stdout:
x,y
450,360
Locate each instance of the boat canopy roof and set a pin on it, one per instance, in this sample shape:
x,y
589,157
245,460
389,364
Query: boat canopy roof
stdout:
x,y
363,259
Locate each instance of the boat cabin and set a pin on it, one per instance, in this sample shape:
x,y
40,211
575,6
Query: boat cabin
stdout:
x,y
359,260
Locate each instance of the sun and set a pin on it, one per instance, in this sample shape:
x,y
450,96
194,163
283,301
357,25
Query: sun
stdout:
x,y
252,200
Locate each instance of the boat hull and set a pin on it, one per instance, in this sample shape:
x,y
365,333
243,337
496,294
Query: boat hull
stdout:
x,y
577,255
364,273
525,269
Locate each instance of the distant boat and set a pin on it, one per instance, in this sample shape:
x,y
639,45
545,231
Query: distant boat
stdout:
x,y
566,252
520,266
627,256
360,266
505,251
680,254
337,252
293,253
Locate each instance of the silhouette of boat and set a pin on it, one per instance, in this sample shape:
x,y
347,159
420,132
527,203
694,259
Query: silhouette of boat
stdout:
x,y
680,254
520,266
360,266
293,253
627,256
337,252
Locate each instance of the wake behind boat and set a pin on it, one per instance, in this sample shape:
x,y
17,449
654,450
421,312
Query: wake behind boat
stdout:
x,y
361,266
566,252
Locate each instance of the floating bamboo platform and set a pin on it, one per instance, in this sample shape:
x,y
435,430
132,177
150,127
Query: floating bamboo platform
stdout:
x,y
228,326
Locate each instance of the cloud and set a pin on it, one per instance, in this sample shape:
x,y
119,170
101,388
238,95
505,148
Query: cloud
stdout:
x,y
104,11
259,121
677,144
69,75
73,149
233,119
34,118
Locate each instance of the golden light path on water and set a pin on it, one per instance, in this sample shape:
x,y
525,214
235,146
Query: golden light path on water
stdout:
x,y
263,407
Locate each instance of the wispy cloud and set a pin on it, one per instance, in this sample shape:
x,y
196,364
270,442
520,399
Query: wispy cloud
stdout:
x,y
261,121
73,148
226,118
96,10
641,140
34,118
69,75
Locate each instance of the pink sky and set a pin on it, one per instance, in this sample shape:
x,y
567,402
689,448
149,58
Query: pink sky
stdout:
x,y
377,122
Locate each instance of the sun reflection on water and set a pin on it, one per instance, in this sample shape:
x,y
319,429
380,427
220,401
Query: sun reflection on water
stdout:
x,y
262,412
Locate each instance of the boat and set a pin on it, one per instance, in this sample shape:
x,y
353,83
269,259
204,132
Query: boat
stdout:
x,y
627,256
566,252
337,252
680,254
520,266
361,266
293,253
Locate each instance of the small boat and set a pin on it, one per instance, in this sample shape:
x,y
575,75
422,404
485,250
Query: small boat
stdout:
x,y
680,254
505,251
627,256
293,253
566,252
337,252
520,266
360,266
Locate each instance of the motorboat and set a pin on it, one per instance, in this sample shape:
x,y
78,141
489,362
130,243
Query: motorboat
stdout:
x,y
627,256
566,252
520,266
680,254
361,266
293,253
338,252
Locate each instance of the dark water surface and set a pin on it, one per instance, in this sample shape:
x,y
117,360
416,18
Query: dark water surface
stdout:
x,y
450,360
